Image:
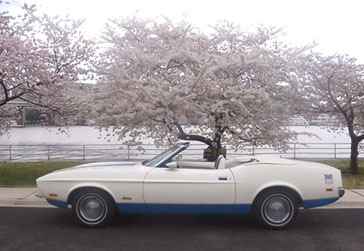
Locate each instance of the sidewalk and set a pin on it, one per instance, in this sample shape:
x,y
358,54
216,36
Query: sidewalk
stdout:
x,y
24,197
21,197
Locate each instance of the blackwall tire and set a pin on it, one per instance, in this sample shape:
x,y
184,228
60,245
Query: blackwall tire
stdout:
x,y
93,207
275,208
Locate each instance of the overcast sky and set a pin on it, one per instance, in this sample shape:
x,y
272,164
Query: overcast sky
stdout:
x,y
336,25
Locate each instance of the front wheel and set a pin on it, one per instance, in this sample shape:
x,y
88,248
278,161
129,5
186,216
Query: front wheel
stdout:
x,y
93,208
276,208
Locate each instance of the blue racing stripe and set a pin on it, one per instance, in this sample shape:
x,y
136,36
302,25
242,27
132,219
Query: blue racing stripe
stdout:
x,y
101,165
135,208
97,165
318,202
58,203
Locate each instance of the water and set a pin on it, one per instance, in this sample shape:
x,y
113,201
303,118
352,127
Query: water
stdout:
x,y
84,135
87,143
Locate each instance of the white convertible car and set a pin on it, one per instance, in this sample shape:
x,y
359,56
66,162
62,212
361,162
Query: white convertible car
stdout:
x,y
271,188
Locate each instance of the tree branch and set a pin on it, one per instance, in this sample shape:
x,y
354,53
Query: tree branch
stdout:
x,y
3,102
361,137
182,135
334,99
242,138
44,106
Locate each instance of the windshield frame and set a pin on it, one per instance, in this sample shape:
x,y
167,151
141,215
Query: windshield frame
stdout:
x,y
168,155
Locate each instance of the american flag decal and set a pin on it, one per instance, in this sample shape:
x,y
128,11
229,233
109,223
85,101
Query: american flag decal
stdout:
x,y
328,179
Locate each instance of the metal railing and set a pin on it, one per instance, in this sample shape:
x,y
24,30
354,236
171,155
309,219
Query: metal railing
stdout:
x,y
147,151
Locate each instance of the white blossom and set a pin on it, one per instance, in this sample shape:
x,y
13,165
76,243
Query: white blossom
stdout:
x,y
334,85
41,57
171,81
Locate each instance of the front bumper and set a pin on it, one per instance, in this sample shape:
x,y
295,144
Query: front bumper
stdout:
x,y
341,191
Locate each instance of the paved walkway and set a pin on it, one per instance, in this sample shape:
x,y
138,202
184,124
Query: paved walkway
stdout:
x,y
21,197
24,197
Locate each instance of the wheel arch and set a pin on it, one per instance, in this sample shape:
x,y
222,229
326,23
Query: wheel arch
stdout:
x,y
74,191
284,186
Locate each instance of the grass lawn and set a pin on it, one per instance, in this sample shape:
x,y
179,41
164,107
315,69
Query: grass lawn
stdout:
x,y
24,174
349,180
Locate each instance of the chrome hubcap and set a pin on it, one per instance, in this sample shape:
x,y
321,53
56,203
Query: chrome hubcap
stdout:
x,y
92,208
277,209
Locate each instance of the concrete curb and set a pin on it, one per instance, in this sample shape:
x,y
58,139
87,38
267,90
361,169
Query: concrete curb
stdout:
x,y
25,197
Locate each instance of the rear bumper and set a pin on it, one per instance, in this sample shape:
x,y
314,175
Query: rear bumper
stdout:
x,y
341,191
323,202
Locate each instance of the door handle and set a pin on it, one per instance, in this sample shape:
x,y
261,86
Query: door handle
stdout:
x,y
222,178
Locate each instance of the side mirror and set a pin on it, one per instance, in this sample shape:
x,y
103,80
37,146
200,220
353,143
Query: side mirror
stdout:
x,y
172,165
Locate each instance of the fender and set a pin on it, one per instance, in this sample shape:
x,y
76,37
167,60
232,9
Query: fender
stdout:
x,y
275,184
90,184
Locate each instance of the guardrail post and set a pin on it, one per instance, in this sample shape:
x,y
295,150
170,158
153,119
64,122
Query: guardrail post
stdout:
x,y
10,152
83,152
128,147
49,157
253,149
294,150
334,150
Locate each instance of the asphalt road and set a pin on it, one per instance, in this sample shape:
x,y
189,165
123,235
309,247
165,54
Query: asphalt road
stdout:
x,y
55,229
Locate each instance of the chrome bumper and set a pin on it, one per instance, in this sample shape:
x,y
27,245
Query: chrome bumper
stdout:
x,y
341,191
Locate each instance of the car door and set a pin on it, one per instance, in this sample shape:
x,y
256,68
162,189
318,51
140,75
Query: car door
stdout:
x,y
184,190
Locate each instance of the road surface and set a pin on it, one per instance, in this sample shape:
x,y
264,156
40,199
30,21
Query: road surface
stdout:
x,y
55,229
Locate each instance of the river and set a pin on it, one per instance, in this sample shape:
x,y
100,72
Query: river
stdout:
x,y
88,135
87,143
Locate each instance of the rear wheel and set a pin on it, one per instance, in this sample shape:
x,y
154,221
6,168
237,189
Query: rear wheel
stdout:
x,y
276,208
93,207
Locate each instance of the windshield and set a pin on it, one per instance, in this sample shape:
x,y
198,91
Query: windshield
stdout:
x,y
153,162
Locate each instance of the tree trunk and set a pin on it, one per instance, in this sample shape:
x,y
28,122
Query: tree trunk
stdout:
x,y
354,155
214,145
216,149
214,153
